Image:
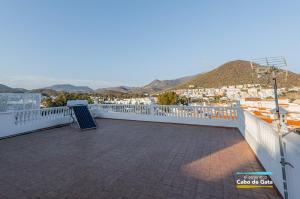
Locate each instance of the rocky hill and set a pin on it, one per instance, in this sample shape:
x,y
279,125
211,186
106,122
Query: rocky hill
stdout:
x,y
231,73
120,89
161,85
45,92
70,88
238,72
7,89
153,87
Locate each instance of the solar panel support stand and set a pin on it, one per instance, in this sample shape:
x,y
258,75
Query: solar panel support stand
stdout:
x,y
84,117
74,120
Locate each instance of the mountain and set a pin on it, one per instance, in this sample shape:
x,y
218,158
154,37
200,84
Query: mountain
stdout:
x,y
70,88
44,91
6,89
236,73
120,89
153,87
231,73
161,85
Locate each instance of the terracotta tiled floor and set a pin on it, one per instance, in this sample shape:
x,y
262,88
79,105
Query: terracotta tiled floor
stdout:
x,y
127,159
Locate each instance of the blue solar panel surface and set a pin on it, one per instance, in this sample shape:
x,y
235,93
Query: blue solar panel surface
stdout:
x,y
84,117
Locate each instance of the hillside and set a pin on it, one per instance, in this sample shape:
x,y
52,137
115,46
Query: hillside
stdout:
x,y
153,87
231,73
46,92
7,89
70,88
161,85
235,73
120,89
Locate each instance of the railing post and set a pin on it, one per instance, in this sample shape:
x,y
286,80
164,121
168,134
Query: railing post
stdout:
x,y
152,109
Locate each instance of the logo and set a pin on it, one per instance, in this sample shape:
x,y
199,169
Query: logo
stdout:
x,y
248,180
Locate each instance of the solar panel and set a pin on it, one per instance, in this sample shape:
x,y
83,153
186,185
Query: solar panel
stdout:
x,y
84,117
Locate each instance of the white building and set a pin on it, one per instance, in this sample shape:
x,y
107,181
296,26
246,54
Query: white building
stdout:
x,y
132,101
19,101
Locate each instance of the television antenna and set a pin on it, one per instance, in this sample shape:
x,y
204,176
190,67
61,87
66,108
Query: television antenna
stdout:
x,y
272,67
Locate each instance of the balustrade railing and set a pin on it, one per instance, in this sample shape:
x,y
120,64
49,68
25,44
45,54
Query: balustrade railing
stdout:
x,y
201,112
15,122
120,108
24,116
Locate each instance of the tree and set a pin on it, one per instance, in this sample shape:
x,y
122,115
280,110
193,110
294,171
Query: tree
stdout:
x,y
167,98
47,102
184,100
217,98
62,98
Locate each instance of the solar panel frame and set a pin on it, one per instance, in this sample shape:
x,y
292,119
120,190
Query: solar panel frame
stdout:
x,y
84,117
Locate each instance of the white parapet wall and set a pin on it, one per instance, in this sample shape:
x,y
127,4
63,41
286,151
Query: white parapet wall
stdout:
x,y
292,148
22,121
195,115
264,141
16,122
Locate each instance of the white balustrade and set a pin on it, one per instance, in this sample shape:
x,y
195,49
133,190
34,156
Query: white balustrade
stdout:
x,y
198,115
16,122
21,117
264,141
217,113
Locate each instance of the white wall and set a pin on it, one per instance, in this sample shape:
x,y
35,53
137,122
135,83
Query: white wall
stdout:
x,y
10,126
264,141
167,119
19,101
292,145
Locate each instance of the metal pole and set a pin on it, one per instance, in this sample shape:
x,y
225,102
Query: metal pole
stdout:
x,y
282,158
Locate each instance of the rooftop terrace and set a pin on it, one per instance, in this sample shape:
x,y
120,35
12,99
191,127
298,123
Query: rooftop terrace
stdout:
x,y
128,159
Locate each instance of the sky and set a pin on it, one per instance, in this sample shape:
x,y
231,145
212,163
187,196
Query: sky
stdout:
x,y
107,43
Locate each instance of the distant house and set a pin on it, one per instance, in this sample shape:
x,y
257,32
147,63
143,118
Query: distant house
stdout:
x,y
19,101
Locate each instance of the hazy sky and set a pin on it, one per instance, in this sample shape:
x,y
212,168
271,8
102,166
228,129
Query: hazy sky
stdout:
x,y
131,42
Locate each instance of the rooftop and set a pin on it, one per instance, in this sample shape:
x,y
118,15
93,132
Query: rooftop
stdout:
x,y
128,159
